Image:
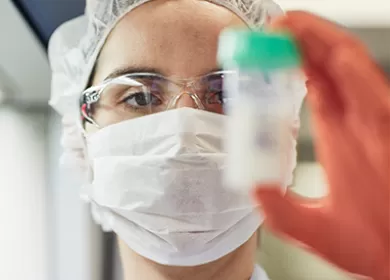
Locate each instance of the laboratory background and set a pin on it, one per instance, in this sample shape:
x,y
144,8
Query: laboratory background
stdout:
x,y
46,232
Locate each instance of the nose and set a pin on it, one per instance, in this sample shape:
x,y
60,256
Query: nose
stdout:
x,y
187,100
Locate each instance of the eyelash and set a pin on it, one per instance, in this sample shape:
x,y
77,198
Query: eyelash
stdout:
x,y
132,95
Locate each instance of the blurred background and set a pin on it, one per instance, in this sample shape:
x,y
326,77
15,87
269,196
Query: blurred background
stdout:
x,y
46,231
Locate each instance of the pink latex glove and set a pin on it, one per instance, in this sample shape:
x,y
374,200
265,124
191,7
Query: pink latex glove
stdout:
x,y
350,102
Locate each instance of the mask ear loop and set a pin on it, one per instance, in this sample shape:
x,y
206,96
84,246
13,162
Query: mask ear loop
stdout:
x,y
86,116
86,192
99,214
86,188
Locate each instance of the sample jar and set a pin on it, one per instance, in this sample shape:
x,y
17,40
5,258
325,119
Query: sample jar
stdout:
x,y
258,103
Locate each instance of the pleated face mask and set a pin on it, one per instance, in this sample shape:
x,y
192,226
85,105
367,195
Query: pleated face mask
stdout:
x,y
157,184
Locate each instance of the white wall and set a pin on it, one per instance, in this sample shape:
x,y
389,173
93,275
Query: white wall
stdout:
x,y
23,231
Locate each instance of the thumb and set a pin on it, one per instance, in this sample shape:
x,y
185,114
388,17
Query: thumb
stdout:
x,y
291,216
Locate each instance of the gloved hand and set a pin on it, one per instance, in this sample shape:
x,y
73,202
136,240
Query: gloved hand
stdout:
x,y
350,102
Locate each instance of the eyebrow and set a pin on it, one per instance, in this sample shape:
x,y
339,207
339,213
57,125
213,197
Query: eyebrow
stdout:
x,y
131,70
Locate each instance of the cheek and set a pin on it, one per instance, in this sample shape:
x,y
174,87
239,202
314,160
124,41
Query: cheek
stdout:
x,y
107,117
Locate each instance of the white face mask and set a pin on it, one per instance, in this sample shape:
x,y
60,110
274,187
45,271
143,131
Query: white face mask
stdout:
x,y
158,185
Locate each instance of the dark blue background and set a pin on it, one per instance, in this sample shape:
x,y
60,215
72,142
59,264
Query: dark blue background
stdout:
x,y
44,16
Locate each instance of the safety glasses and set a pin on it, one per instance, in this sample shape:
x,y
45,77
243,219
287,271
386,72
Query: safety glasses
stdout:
x,y
140,94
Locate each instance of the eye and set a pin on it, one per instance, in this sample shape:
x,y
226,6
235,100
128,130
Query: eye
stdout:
x,y
141,99
215,90
216,97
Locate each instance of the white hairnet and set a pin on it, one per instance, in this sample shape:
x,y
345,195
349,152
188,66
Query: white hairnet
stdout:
x,y
74,48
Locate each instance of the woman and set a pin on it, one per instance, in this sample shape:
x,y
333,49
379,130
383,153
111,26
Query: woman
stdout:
x,y
127,79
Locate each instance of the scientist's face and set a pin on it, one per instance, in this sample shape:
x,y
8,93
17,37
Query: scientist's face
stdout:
x,y
173,38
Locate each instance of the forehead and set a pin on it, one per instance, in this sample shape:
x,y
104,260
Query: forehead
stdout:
x,y
178,38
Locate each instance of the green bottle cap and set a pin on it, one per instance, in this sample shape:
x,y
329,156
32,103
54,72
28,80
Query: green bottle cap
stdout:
x,y
257,50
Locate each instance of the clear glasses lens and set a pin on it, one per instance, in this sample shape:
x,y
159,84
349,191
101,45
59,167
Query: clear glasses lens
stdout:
x,y
138,95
